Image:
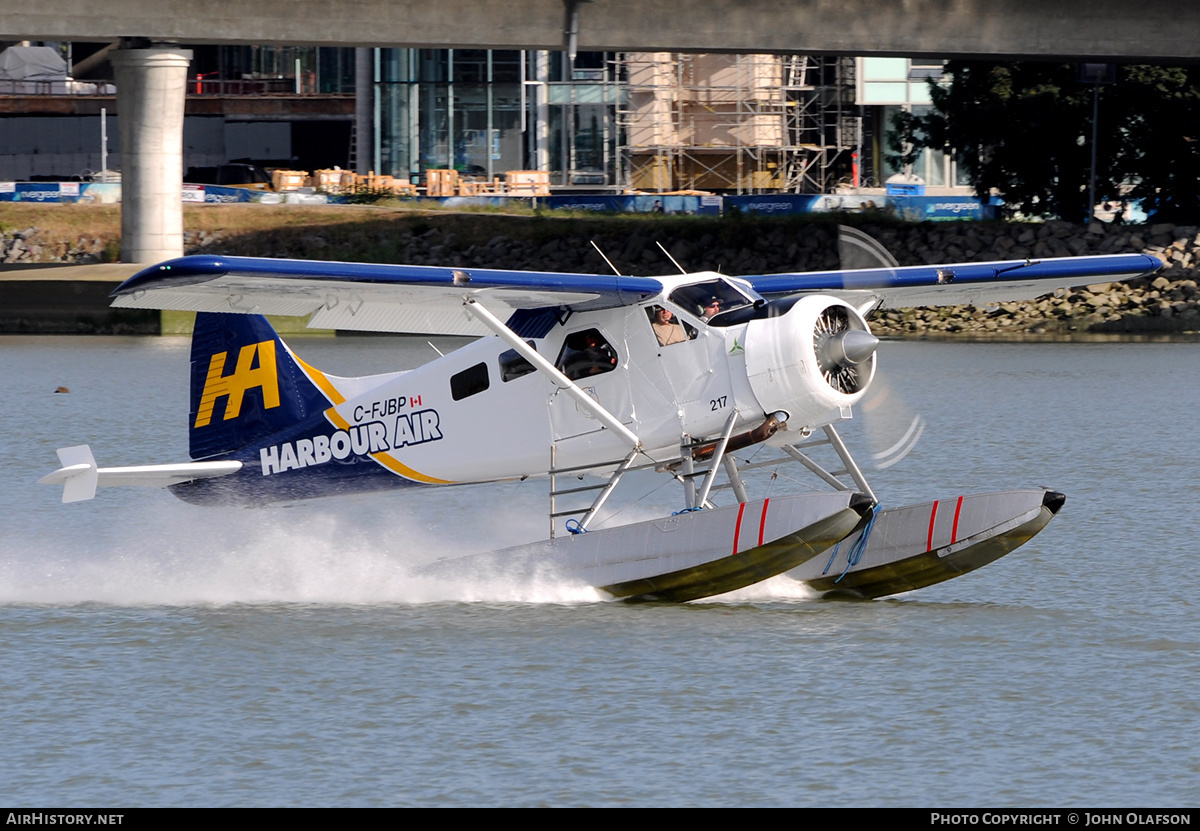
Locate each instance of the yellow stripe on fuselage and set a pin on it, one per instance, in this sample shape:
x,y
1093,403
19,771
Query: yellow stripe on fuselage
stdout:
x,y
326,386
387,461
323,383
406,471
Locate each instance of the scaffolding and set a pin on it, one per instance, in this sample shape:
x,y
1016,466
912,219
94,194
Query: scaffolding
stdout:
x,y
736,123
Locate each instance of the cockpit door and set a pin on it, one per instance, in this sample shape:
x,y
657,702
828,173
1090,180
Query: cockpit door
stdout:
x,y
696,372
594,361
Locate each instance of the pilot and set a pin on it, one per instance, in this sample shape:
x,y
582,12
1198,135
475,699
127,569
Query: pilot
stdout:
x,y
711,308
666,328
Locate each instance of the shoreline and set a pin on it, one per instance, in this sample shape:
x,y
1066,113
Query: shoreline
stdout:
x,y
1167,303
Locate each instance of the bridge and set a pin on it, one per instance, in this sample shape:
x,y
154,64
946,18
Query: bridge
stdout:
x,y
151,69
1100,30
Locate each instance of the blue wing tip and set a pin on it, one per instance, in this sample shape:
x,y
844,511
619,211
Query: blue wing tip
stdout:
x,y
196,268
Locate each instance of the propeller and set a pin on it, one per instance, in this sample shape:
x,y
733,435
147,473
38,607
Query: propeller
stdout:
x,y
841,350
892,427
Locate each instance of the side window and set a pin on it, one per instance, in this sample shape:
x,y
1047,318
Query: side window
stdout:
x,y
513,366
667,327
469,382
586,353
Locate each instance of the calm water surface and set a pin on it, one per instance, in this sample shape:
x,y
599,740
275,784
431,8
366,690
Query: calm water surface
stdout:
x,y
156,653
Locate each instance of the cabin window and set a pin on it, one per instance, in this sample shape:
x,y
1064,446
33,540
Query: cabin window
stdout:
x,y
586,353
469,382
513,365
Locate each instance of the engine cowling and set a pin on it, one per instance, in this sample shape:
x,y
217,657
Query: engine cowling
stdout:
x,y
811,362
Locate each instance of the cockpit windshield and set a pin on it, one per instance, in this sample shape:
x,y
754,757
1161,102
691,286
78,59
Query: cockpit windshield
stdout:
x,y
708,299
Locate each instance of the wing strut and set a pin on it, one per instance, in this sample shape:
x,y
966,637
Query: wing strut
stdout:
x,y
550,371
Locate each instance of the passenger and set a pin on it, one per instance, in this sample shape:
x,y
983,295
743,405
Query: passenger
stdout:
x,y
666,328
595,357
713,307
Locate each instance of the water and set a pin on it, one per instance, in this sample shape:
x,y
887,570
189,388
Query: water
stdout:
x,y
156,653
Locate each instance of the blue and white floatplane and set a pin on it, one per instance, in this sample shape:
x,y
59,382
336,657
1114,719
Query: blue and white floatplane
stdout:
x,y
584,379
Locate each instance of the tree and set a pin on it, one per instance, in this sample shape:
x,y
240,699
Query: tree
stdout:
x,y
1024,129
1159,154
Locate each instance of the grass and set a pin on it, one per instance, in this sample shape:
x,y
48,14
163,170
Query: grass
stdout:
x,y
69,221
61,221
383,232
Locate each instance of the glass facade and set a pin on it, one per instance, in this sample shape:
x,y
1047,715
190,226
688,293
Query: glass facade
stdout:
x,y
483,112
889,85
888,81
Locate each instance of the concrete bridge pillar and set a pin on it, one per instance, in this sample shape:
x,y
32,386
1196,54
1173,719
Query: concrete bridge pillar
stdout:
x,y
151,84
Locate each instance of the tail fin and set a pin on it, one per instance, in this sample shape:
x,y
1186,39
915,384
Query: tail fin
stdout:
x,y
246,384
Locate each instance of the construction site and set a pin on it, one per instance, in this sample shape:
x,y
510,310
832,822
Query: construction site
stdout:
x,y
457,122
737,123
491,124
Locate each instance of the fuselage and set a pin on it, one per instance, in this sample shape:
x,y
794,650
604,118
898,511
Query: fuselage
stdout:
x,y
484,413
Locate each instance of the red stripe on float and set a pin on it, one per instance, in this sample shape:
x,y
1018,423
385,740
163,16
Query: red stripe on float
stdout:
x,y
957,511
762,522
932,517
737,529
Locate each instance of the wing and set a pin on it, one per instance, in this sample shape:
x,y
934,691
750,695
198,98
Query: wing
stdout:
x,y
429,299
949,285
367,297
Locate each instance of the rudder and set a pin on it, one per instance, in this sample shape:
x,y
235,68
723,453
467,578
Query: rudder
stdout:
x,y
245,384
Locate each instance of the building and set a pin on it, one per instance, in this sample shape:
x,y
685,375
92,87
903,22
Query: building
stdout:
x,y
607,121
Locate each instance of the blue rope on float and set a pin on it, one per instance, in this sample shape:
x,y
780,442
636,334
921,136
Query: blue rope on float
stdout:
x,y
686,511
860,546
856,551
832,557
576,528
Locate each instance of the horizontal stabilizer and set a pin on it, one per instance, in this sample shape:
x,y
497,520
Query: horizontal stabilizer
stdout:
x,y
80,476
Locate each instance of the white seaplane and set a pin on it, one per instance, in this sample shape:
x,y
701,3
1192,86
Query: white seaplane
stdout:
x,y
588,374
